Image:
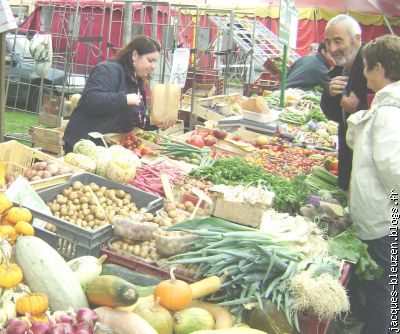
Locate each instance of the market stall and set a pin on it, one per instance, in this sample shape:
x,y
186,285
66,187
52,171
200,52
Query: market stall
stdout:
x,y
220,229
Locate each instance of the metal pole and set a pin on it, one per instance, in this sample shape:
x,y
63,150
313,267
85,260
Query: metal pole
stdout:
x,y
283,77
2,83
127,22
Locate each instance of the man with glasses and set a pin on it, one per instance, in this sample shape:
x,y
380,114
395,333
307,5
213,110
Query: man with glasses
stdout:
x,y
347,91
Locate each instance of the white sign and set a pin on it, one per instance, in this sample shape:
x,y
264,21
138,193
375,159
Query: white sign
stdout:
x,y
7,20
180,64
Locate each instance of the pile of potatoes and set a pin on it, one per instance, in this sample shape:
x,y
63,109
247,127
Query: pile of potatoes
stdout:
x,y
45,169
91,206
171,243
143,249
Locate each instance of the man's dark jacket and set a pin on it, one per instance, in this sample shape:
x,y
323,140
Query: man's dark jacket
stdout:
x,y
331,107
308,72
103,107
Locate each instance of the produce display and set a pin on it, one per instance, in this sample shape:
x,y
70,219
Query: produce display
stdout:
x,y
179,269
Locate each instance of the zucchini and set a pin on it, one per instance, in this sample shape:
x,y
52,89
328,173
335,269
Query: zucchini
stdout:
x,y
129,275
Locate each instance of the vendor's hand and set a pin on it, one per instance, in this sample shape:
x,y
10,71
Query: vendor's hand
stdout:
x,y
133,99
350,103
337,85
166,124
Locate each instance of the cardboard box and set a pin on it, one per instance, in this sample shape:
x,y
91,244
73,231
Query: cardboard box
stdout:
x,y
235,211
176,130
201,108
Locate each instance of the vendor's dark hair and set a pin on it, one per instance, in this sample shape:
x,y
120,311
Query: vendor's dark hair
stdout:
x,y
141,44
321,46
386,51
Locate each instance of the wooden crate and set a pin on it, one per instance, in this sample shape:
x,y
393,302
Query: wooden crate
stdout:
x,y
18,157
48,139
175,130
202,111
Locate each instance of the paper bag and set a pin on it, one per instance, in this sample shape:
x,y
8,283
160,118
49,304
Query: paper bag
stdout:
x,y
255,104
165,100
7,20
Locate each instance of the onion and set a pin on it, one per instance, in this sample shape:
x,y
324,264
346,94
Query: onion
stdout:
x,y
86,315
39,327
84,326
14,321
65,318
18,328
61,328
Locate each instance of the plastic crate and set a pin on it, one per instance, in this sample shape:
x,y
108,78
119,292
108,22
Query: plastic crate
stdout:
x,y
18,158
141,267
142,199
73,241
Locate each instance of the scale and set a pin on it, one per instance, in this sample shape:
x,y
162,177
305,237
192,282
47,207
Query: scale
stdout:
x,y
230,124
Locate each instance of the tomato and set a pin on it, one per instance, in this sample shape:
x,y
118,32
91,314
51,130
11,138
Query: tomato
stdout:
x,y
146,151
196,140
210,141
334,164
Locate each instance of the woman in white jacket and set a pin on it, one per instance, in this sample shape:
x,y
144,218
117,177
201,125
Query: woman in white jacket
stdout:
x,y
375,179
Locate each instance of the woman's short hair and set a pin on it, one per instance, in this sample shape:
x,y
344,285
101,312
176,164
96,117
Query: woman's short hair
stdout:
x,y
141,44
386,51
351,23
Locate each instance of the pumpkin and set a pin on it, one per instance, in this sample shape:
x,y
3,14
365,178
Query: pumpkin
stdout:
x,y
51,274
24,228
174,294
8,232
5,251
5,203
10,275
17,214
35,304
86,267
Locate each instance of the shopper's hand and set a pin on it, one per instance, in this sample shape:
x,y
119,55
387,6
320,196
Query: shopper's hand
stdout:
x,y
133,99
350,103
337,85
166,124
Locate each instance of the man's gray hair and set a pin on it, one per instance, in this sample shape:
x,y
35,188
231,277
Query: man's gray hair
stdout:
x,y
351,23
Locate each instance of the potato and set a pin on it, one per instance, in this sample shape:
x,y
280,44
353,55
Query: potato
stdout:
x,y
29,173
52,169
64,170
35,178
40,165
46,174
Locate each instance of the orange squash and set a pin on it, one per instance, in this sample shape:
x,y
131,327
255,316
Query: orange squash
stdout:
x,y
10,275
16,214
24,228
5,203
8,232
174,294
35,304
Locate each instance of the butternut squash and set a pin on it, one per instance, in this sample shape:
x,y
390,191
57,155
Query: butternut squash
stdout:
x,y
108,290
46,271
121,322
223,319
205,287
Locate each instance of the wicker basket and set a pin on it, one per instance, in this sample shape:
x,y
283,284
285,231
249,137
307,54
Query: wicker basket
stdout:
x,y
18,157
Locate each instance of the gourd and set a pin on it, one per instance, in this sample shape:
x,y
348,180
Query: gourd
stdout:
x,y
16,292
110,291
85,147
205,287
156,315
174,294
129,275
121,322
24,228
8,231
222,317
5,203
235,330
120,170
5,251
7,311
17,214
86,267
80,161
34,304
10,275
46,271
